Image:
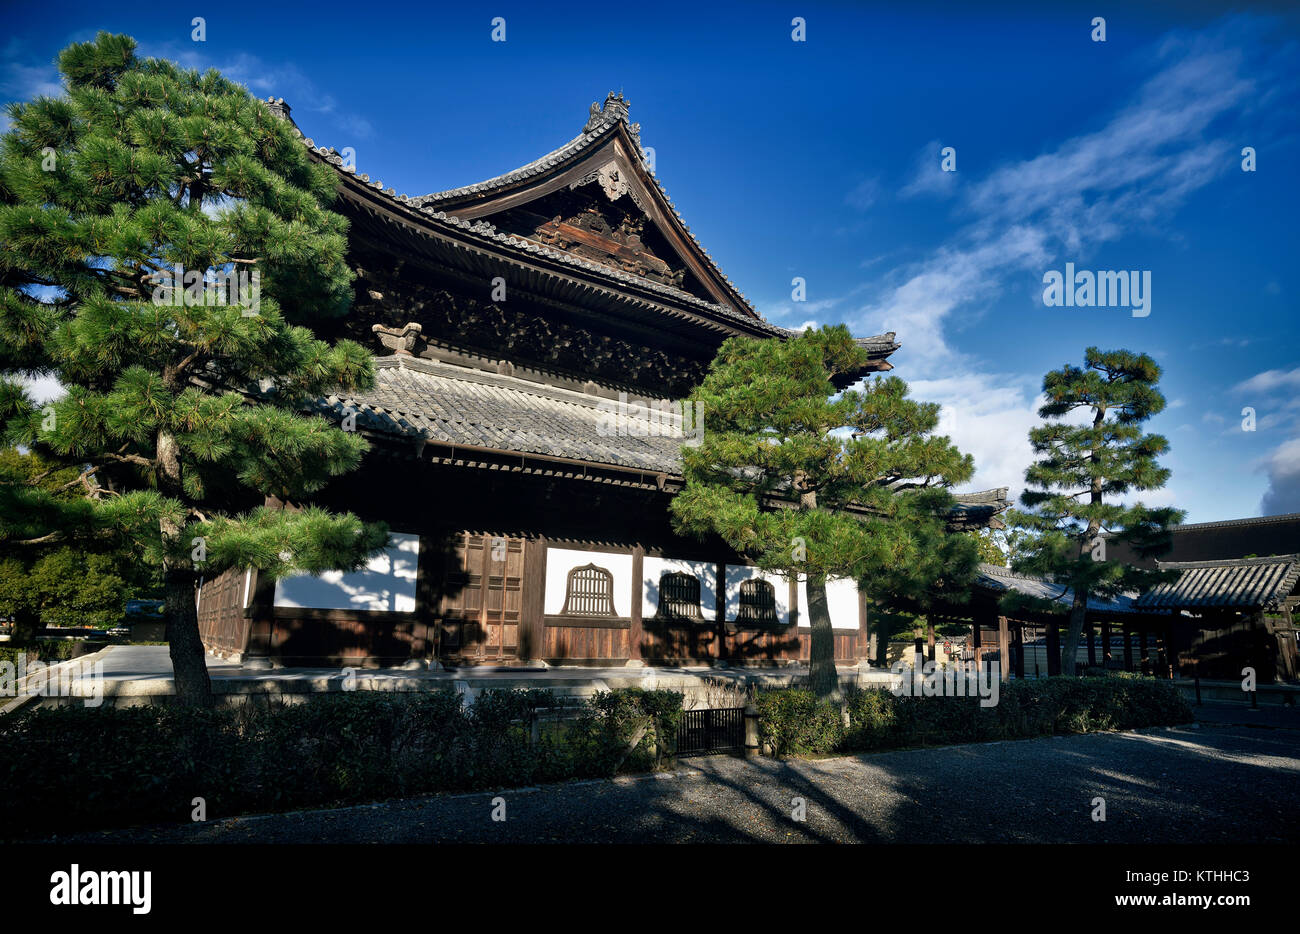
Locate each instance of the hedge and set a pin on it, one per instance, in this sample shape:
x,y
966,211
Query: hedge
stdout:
x,y
84,768
46,650
792,722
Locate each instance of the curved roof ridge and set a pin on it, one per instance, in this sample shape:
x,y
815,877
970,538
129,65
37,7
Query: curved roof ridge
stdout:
x,y
550,160
1230,562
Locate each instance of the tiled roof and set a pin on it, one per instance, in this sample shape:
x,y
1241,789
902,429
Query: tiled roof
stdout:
x,y
458,405
602,122
1002,580
1245,583
599,127
442,402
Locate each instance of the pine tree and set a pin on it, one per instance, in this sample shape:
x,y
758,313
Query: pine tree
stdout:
x,y
164,241
74,580
807,481
1081,472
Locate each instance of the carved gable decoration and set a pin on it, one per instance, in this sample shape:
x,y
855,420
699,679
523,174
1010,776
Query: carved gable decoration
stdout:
x,y
596,222
611,182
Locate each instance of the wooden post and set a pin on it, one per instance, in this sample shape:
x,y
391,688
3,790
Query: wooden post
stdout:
x,y
1004,648
1053,648
1092,644
1128,647
929,638
1019,650
720,618
635,632
865,635
531,624
1171,650
1105,643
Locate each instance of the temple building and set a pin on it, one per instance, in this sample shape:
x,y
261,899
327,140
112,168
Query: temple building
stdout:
x,y
530,332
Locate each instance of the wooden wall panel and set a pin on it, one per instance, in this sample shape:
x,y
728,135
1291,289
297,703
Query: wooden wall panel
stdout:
x,y
223,626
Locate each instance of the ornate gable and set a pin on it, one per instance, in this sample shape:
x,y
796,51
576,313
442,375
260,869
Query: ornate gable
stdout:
x,y
620,216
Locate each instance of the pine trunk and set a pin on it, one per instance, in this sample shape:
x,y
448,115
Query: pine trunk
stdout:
x,y
185,645
189,668
27,626
1070,653
822,676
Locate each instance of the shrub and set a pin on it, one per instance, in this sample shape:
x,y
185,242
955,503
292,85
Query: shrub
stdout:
x,y
605,733
793,723
94,767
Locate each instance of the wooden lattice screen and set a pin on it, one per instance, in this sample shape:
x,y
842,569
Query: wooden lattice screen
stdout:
x,y
590,592
757,603
679,596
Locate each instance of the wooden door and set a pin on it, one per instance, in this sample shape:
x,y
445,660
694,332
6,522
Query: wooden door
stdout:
x,y
483,599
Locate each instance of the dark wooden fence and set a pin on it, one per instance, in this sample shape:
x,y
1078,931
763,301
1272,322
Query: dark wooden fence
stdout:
x,y
710,731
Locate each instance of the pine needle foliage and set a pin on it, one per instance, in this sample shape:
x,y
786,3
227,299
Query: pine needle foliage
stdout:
x,y
808,481
185,394
1092,453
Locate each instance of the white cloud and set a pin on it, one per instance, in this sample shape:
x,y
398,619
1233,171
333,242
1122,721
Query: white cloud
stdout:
x,y
1283,470
43,388
928,177
1271,380
264,80
987,415
864,195
1130,175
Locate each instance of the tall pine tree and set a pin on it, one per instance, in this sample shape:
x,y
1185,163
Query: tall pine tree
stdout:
x,y
807,481
164,240
1083,469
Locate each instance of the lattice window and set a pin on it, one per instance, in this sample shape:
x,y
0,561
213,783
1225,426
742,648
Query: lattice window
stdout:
x,y
590,592
757,602
679,596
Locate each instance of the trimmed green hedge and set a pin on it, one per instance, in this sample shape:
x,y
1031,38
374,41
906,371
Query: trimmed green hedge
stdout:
x,y
46,650
793,723
78,767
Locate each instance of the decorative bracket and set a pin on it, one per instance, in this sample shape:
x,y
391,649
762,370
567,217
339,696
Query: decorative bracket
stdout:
x,y
402,340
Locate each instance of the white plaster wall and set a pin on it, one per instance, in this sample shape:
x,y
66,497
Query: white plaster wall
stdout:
x,y
654,568
560,561
386,583
841,600
737,573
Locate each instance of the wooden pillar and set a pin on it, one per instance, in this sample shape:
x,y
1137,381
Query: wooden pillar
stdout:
x,y
532,626
1092,644
1053,647
720,618
1018,650
636,632
929,638
865,635
1105,643
1004,648
1171,650
1128,647
975,639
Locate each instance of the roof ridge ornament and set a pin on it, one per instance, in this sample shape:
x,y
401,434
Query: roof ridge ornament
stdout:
x,y
612,111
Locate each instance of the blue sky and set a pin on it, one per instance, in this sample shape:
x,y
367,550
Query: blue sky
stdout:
x,y
821,159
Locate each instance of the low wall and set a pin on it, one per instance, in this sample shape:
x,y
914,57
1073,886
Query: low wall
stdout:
x,y
704,688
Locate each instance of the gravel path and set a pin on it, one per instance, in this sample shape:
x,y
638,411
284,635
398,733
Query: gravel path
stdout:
x,y
1215,784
